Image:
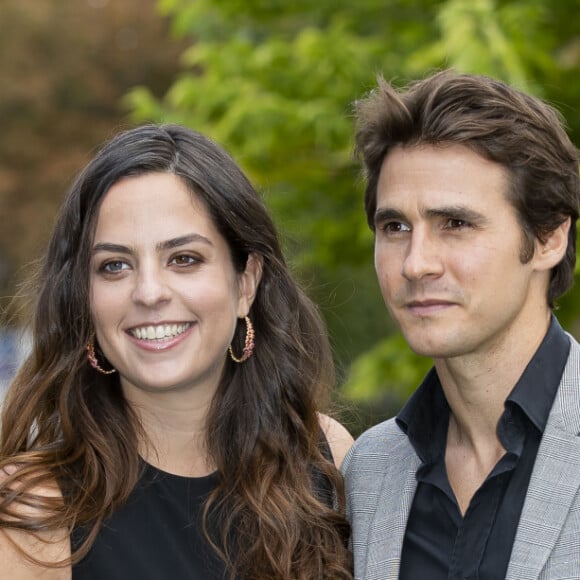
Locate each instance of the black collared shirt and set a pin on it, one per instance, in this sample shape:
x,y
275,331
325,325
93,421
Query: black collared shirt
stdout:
x,y
439,542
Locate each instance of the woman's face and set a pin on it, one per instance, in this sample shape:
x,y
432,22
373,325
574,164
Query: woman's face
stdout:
x,y
164,295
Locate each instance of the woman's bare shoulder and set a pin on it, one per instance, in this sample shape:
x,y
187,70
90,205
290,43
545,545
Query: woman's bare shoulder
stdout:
x,y
338,437
19,548
16,478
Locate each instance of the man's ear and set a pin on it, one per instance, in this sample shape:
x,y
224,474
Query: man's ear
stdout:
x,y
551,249
248,281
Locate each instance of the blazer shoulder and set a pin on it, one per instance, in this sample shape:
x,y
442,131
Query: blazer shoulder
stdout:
x,y
375,446
574,348
565,413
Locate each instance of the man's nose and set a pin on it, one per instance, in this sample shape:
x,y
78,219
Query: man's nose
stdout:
x,y
423,256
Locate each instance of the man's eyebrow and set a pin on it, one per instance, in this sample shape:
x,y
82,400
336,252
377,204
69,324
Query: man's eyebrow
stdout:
x,y
388,213
456,212
165,245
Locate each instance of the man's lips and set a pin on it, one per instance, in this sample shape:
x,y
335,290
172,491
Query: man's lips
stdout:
x,y
426,307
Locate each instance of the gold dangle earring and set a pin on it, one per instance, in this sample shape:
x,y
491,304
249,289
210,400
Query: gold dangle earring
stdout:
x,y
93,359
248,345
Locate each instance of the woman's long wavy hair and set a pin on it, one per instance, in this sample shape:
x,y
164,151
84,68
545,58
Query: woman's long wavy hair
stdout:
x,y
63,421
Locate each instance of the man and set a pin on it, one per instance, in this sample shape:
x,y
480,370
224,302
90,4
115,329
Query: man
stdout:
x,y
473,194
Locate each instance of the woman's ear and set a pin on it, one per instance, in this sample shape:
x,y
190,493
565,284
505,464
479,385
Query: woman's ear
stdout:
x,y
249,280
552,248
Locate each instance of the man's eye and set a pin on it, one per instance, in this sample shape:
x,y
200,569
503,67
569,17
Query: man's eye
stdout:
x,y
395,227
456,224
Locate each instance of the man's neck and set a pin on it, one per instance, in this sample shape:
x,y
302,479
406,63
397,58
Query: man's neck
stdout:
x,y
477,385
476,388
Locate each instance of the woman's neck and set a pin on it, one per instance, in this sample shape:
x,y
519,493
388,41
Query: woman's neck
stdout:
x,y
174,432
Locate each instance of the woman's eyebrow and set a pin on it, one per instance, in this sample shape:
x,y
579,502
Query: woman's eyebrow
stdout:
x,y
113,248
165,245
182,241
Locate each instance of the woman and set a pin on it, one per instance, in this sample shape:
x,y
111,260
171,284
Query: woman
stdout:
x,y
165,424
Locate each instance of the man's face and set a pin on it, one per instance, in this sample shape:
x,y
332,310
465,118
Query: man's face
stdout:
x,y
447,253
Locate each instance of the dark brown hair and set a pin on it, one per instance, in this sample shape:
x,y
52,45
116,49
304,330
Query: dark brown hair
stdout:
x,y
65,422
520,132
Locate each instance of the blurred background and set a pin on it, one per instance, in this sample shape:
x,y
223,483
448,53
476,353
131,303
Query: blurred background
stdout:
x,y
273,81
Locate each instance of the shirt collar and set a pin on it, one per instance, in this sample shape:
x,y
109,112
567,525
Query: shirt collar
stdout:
x,y
425,416
536,389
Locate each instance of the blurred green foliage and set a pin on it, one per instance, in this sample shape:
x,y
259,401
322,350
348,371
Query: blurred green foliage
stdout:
x,y
274,82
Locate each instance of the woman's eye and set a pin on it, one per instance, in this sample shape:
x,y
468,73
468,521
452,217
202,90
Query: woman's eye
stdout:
x,y
114,266
184,260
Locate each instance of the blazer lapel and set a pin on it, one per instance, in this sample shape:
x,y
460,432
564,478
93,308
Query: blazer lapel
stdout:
x,y
390,518
555,479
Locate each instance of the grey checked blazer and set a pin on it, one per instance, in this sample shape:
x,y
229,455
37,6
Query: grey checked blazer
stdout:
x,y
380,484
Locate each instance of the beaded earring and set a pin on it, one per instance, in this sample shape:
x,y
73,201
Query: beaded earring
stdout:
x,y
248,345
93,359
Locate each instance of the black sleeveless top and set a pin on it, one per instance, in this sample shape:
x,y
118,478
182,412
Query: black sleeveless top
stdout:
x,y
157,534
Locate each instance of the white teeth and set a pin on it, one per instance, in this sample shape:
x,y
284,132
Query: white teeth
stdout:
x,y
160,331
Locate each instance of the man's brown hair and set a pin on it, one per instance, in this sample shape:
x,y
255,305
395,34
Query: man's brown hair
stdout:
x,y
520,132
